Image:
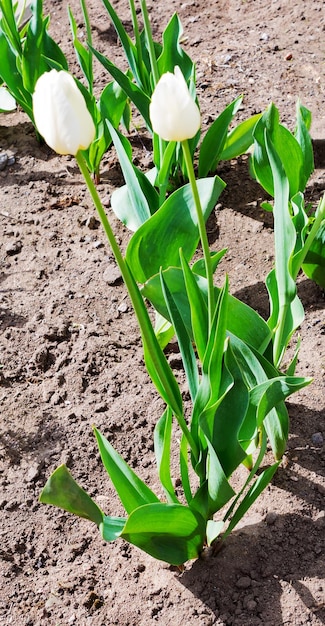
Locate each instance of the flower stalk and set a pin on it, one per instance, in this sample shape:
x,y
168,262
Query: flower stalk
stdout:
x,y
202,230
148,336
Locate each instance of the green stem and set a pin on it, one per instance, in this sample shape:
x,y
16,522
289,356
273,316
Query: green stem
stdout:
x,y
150,43
137,40
279,345
155,75
149,338
89,40
202,230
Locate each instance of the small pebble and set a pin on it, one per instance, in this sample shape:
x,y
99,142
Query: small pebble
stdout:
x,y
3,161
317,439
244,582
270,518
112,274
14,247
92,223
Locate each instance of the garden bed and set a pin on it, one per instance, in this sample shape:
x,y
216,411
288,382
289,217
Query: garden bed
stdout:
x,y
71,354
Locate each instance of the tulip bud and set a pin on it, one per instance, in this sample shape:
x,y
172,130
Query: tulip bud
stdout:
x,y
173,112
60,113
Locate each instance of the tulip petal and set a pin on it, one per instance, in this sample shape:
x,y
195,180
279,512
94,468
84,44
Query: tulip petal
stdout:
x,y
174,114
61,114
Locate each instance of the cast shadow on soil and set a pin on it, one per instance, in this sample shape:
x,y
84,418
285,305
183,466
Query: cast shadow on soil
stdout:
x,y
8,319
275,554
16,444
269,557
244,195
256,296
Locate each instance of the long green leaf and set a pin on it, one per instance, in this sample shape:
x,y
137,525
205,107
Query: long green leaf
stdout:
x,y
239,139
259,485
218,487
285,239
169,532
222,426
111,527
172,52
314,265
132,491
198,308
304,139
183,463
38,46
63,491
157,242
12,77
184,340
136,95
8,25
287,147
84,56
129,48
139,210
214,140
162,442
243,321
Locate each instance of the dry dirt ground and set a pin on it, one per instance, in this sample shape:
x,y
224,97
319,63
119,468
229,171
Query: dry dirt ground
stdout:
x,y
71,355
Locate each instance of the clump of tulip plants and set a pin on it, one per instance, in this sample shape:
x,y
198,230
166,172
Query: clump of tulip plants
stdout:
x,y
232,358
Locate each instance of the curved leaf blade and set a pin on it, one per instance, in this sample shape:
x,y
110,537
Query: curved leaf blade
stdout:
x,y
157,242
63,491
169,532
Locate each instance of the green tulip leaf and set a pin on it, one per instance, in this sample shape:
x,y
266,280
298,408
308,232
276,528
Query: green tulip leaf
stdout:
x,y
157,242
172,53
314,264
132,491
112,527
287,147
239,139
242,320
256,489
215,138
12,77
129,48
136,95
198,266
184,339
169,532
162,443
63,491
137,200
214,529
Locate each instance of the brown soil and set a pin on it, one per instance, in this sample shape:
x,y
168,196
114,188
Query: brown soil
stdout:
x,y
71,354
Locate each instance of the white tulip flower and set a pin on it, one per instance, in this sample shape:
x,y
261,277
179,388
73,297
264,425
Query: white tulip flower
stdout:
x,y
60,113
174,114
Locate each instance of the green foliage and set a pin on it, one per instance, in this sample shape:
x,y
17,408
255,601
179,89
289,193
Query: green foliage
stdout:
x,y
157,242
25,53
231,357
286,160
314,264
147,61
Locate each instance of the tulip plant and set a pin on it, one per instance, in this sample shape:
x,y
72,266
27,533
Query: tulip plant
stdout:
x,y
295,152
29,51
231,357
148,61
